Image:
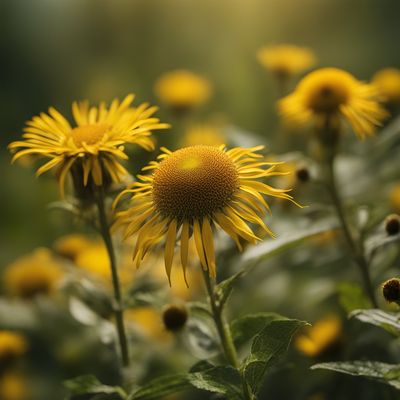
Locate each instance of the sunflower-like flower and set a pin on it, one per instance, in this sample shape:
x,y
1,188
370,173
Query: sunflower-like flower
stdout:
x,y
321,337
388,82
192,190
286,60
182,90
34,274
94,145
205,134
12,346
333,93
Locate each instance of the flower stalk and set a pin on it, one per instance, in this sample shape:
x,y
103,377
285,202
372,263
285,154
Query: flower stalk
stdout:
x,y
224,332
104,227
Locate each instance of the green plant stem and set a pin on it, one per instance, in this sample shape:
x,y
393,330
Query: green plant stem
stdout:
x,y
356,249
224,332
118,306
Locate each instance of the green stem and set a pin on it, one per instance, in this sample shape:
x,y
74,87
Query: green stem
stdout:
x,y
357,251
224,332
118,307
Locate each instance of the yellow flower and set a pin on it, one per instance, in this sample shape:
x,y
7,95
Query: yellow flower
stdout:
x,y
394,197
320,337
149,322
12,346
94,260
69,246
285,60
93,147
182,89
192,190
331,92
13,386
208,135
34,274
388,82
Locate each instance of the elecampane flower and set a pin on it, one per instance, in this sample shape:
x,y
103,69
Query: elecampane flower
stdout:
x,y
191,191
94,143
388,82
286,59
331,92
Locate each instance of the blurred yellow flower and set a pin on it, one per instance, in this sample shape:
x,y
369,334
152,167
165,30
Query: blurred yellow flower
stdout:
x,y
94,260
149,322
13,386
388,82
182,90
331,93
93,147
69,246
206,134
394,198
34,274
192,190
285,60
12,346
320,337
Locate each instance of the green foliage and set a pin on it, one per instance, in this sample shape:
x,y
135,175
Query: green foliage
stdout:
x,y
89,384
378,371
352,297
267,348
385,320
224,289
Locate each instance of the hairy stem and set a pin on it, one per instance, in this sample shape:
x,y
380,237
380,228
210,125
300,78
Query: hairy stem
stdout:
x,y
118,307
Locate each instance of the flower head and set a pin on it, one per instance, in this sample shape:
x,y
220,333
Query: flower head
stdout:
x,y
320,337
286,60
69,246
32,275
208,135
182,90
13,386
388,82
94,145
12,346
391,290
192,190
331,92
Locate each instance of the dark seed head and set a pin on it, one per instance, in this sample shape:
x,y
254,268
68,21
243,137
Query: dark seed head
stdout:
x,y
391,290
392,224
174,317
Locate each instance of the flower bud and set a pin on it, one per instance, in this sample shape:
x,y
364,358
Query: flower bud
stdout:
x,y
391,290
392,224
174,317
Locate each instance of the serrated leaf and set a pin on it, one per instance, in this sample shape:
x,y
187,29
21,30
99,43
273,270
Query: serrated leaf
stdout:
x,y
160,387
352,297
246,327
385,320
89,384
224,289
378,371
267,348
271,247
223,380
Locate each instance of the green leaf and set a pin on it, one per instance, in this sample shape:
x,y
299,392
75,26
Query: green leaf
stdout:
x,y
89,384
224,289
378,371
160,387
385,320
244,328
223,380
380,239
267,348
271,247
352,297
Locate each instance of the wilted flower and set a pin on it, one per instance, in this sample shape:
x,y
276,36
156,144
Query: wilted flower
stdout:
x,y
34,274
286,60
182,90
93,148
330,93
192,190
